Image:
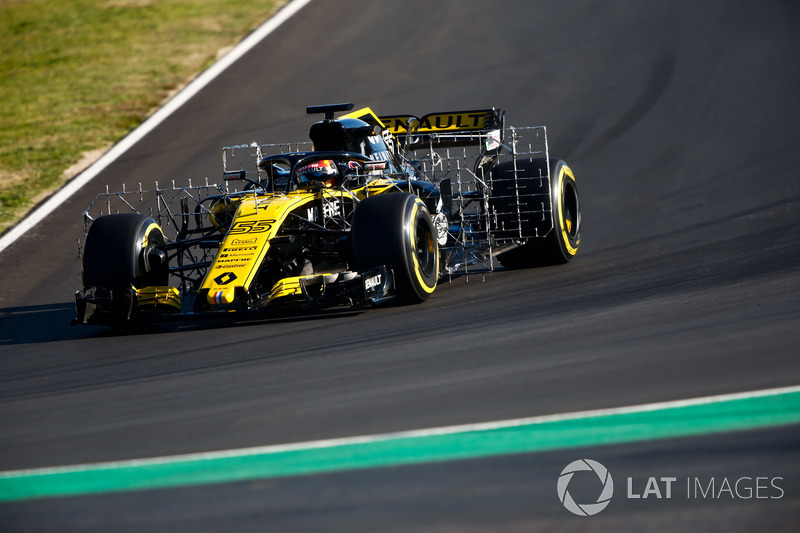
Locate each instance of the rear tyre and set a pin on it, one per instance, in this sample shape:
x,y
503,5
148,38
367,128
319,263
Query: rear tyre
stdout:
x,y
396,230
123,250
559,244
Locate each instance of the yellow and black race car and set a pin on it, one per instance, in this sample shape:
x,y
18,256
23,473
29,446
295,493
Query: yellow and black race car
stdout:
x,y
373,208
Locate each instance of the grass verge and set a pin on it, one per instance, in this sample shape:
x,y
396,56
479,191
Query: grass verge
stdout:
x,y
77,75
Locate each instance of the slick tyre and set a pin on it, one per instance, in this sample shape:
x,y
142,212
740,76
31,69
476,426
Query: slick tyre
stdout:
x,y
559,244
123,250
396,230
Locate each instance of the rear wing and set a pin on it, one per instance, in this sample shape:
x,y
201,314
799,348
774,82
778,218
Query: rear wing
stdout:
x,y
442,129
447,129
446,122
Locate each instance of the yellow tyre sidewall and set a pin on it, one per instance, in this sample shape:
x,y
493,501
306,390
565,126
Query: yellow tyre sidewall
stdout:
x,y
417,271
564,174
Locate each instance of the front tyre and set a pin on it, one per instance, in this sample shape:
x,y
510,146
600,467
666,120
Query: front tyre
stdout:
x,y
123,250
396,230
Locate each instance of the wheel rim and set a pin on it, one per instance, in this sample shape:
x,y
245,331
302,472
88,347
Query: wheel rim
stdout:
x,y
570,212
425,249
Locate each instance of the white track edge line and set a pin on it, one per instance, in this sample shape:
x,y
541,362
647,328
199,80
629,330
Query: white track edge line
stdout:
x,y
445,430
74,185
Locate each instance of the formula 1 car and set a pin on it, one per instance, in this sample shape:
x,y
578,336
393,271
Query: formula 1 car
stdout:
x,y
373,208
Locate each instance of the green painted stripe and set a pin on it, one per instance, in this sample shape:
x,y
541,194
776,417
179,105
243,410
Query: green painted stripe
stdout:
x,y
674,419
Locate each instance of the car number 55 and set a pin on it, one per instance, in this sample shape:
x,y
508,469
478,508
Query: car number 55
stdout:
x,y
251,226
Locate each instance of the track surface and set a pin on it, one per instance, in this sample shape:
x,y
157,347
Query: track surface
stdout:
x,y
680,122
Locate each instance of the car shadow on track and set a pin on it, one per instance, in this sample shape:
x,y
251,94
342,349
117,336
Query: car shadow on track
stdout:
x,y
36,324
228,320
32,324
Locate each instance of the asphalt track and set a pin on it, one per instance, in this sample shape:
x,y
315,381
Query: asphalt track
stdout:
x,y
680,122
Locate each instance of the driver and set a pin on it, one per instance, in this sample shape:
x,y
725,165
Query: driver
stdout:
x,y
323,172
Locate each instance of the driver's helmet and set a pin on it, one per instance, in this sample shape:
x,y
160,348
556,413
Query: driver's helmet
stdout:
x,y
323,171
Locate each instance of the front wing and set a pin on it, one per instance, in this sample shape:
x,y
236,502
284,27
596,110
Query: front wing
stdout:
x,y
125,305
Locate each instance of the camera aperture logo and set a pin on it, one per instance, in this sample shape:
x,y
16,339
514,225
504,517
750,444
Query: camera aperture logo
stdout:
x,y
585,509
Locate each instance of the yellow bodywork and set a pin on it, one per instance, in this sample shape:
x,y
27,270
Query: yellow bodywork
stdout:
x,y
286,287
246,244
294,286
367,115
257,220
159,297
